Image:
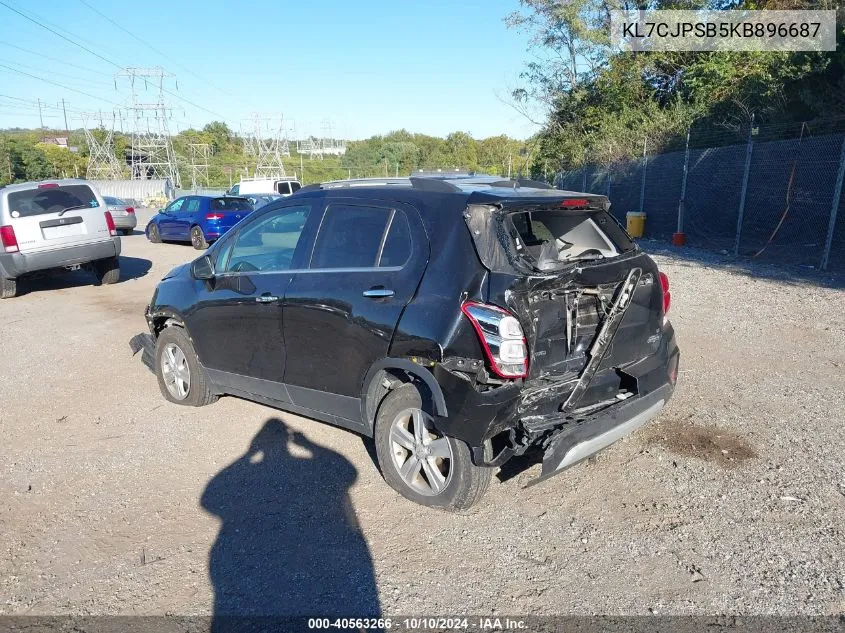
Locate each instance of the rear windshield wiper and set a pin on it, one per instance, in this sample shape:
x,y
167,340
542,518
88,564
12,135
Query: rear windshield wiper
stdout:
x,y
74,208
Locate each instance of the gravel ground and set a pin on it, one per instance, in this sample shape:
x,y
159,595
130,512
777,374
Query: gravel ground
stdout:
x,y
114,501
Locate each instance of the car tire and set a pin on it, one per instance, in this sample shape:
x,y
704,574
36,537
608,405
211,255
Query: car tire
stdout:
x,y
175,360
107,271
420,470
198,238
8,287
153,235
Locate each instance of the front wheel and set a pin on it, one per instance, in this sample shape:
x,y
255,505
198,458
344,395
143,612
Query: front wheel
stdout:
x,y
198,238
107,271
153,234
419,462
180,376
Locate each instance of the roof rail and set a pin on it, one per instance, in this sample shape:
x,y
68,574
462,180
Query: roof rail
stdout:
x,y
521,182
433,184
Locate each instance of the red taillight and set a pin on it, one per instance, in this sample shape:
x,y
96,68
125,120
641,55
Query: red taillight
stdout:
x,y
110,223
213,216
667,296
49,185
574,203
130,210
501,337
7,236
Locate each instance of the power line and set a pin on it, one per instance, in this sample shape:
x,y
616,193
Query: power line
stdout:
x,y
20,72
85,48
47,57
54,32
63,75
154,49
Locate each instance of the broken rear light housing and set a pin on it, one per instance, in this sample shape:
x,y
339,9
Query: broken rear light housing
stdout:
x,y
664,287
501,337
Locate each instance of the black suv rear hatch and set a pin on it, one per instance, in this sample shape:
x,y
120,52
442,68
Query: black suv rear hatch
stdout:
x,y
572,276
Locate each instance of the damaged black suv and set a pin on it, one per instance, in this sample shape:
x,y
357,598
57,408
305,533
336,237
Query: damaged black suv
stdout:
x,y
459,321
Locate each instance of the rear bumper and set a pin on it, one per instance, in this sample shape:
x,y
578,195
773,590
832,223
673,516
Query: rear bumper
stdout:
x,y
125,221
572,445
16,264
527,417
215,231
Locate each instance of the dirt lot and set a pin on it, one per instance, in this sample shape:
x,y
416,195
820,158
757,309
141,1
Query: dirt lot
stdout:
x,y
114,501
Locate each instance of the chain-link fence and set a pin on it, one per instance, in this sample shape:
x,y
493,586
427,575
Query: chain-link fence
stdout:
x,y
768,192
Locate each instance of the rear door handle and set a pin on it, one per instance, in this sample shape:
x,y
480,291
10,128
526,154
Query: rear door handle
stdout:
x,y
266,299
378,293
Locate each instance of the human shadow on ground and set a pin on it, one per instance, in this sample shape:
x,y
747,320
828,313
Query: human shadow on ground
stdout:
x,y
289,543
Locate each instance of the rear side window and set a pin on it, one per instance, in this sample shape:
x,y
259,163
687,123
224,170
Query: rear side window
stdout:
x,y
354,236
283,188
231,204
295,186
397,244
50,200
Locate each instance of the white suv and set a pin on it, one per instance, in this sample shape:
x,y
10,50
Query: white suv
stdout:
x,y
55,224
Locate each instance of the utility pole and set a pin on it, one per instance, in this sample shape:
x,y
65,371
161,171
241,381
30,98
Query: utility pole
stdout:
x,y
64,110
645,167
679,238
40,117
746,173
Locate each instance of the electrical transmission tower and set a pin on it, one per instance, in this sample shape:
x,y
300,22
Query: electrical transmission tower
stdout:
x,y
152,155
102,163
270,144
200,153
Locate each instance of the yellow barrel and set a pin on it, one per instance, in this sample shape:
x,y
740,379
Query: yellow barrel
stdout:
x,y
636,223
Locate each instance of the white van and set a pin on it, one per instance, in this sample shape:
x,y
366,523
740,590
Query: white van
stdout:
x,y
281,186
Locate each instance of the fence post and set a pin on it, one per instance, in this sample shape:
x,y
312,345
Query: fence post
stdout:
x,y
837,196
645,166
745,175
682,203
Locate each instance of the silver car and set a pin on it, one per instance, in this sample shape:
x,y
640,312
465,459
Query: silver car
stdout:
x,y
53,225
123,214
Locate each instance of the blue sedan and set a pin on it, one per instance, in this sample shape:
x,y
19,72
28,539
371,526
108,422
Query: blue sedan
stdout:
x,y
197,219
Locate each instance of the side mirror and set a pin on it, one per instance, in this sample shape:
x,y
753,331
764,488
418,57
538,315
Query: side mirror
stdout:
x,y
202,268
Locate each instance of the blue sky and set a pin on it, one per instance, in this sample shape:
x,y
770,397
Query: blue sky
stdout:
x,y
368,66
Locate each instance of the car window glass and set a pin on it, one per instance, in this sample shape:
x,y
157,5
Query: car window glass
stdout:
x,y
269,243
230,204
295,186
283,187
50,199
397,245
175,205
350,237
192,206
222,257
